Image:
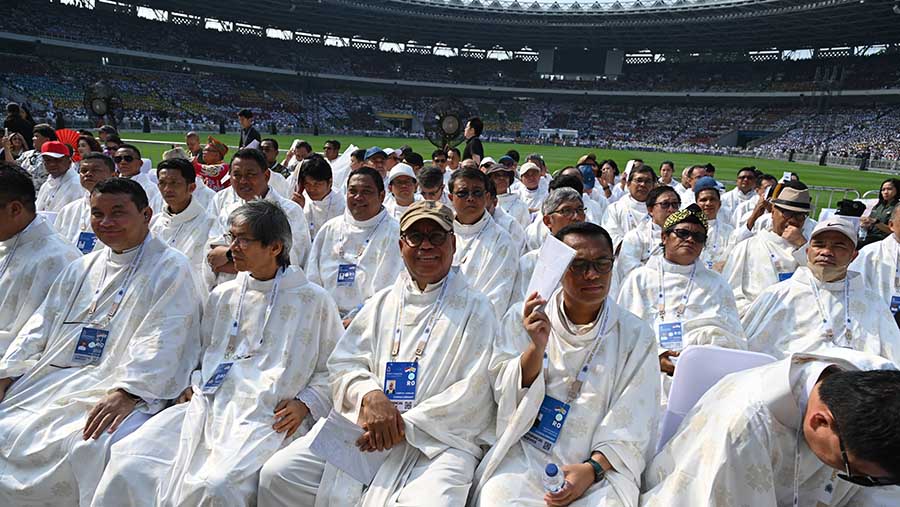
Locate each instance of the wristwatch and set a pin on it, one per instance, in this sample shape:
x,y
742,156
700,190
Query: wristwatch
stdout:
x,y
599,473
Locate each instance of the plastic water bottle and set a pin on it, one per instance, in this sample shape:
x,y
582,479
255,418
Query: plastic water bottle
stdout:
x,y
553,478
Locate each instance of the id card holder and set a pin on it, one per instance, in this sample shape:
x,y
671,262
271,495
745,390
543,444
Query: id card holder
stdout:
x,y
217,377
895,304
671,336
90,345
785,276
400,381
346,275
86,242
547,426
709,265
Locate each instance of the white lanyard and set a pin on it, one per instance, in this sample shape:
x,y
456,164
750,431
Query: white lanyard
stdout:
x,y
775,262
575,387
12,251
120,294
245,349
362,248
429,326
796,488
661,296
175,235
826,319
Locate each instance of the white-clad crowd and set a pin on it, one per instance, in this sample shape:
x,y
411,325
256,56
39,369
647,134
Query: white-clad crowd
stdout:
x,y
164,344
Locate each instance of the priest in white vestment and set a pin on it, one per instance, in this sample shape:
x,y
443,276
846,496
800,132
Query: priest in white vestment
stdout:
x,y
536,232
432,186
771,255
485,253
505,220
591,358
316,193
31,253
62,185
116,337
707,196
128,161
430,319
743,192
823,305
511,203
531,192
879,265
356,255
183,223
276,384
803,431
642,242
630,211
687,303
249,180
401,183
74,221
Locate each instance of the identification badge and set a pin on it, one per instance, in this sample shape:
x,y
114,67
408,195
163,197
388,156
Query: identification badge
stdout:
x,y
217,378
785,276
346,276
709,264
548,424
670,336
895,304
90,345
86,242
400,384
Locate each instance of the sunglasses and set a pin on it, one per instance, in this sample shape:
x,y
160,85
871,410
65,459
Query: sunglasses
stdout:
x,y
683,234
583,266
789,215
861,480
415,239
464,194
124,158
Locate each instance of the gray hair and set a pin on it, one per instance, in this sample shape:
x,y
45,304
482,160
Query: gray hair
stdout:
x,y
559,196
268,224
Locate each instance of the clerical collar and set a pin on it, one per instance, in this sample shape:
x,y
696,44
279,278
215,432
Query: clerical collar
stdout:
x,y
571,327
635,204
413,287
469,229
671,267
25,230
126,255
366,224
169,212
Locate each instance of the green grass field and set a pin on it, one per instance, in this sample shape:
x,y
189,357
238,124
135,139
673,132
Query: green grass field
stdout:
x,y
558,157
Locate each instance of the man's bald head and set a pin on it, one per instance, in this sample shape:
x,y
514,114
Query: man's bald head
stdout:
x,y
895,222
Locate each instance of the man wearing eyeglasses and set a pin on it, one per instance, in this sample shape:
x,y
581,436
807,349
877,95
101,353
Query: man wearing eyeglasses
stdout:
x,y
687,303
823,304
772,254
485,253
630,210
411,370
741,193
810,430
128,161
355,254
431,186
575,379
642,243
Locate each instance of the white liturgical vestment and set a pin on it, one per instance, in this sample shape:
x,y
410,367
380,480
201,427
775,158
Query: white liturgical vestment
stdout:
x,y
317,213
741,445
152,346
615,413
638,246
188,232
791,317
369,248
879,265
209,450
74,219
151,189
717,237
226,201
622,216
757,263
532,198
55,193
510,225
29,263
513,205
453,404
485,253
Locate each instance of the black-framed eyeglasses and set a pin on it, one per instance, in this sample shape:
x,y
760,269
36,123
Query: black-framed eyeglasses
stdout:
x,y
861,480
788,214
231,239
668,204
569,213
683,234
415,239
124,158
581,267
464,194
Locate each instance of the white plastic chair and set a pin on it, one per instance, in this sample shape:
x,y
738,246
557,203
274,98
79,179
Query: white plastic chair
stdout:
x,y
698,369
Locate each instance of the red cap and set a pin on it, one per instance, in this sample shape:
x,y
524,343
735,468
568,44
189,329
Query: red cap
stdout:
x,y
55,149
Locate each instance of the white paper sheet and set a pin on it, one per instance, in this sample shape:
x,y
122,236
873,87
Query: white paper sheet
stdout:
x,y
335,442
253,144
553,260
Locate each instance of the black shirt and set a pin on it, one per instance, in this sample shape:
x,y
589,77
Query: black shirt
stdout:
x,y
22,126
248,135
473,147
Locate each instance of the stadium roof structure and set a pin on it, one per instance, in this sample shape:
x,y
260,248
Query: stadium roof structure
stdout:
x,y
659,25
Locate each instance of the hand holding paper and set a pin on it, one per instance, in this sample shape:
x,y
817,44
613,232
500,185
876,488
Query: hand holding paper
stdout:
x,y
553,260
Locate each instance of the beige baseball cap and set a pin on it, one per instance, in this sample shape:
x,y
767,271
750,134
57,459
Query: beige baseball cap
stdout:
x,y
837,224
427,210
528,166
